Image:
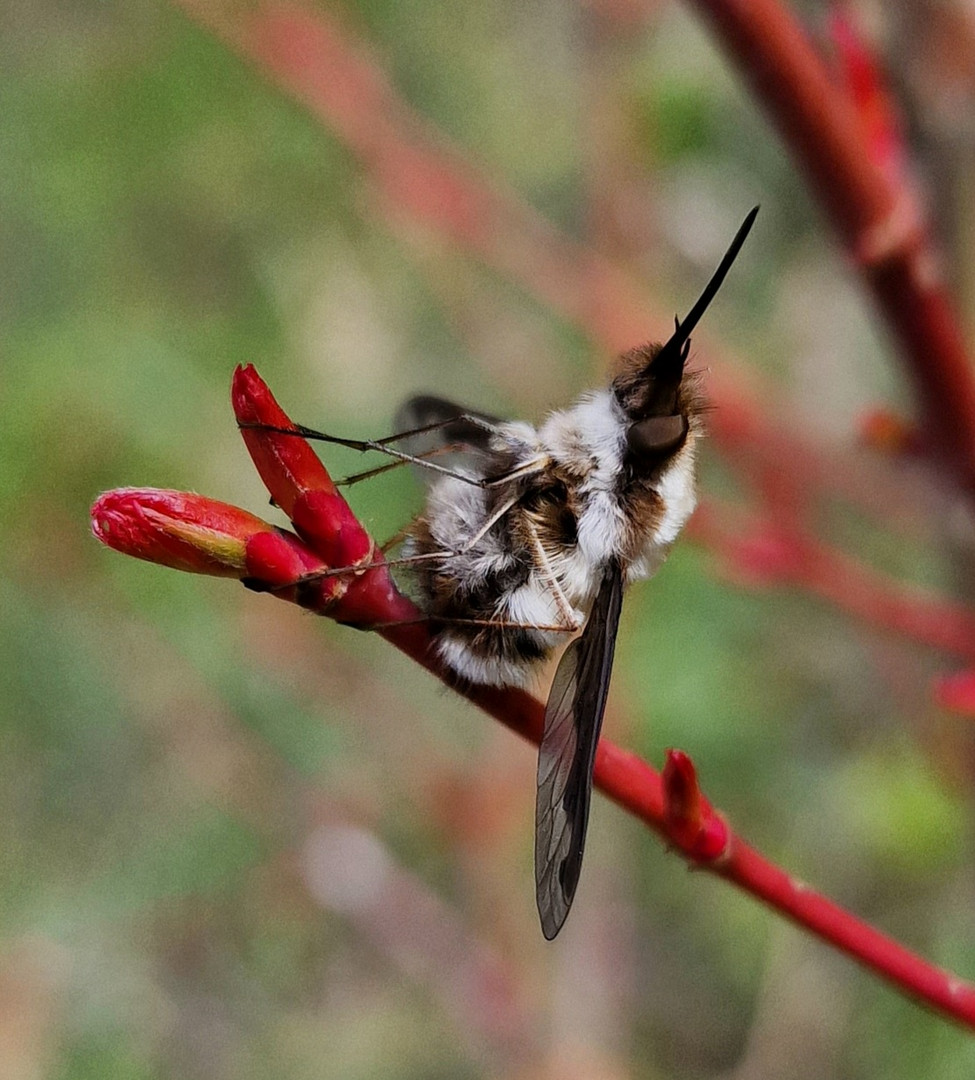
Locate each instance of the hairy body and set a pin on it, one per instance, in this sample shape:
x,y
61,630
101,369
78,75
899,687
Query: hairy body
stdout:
x,y
512,595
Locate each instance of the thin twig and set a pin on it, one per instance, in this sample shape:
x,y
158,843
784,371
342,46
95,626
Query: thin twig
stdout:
x,y
874,211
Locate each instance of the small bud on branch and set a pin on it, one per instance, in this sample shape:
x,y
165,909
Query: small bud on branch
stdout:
x,y
692,823
176,529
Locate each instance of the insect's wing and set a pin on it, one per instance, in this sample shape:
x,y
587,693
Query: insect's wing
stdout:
x,y
453,429
573,717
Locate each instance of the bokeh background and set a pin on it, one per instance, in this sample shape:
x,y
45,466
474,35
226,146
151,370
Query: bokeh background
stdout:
x,y
240,842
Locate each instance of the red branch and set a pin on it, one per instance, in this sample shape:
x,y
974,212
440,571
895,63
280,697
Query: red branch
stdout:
x,y
418,173
761,552
630,782
875,213
197,534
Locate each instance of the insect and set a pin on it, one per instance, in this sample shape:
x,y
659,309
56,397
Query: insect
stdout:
x,y
530,535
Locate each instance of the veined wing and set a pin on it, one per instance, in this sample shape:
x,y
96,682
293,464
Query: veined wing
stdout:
x,y
573,718
456,437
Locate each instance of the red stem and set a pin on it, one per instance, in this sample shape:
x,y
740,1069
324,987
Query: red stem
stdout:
x,y
876,216
925,981
764,553
635,786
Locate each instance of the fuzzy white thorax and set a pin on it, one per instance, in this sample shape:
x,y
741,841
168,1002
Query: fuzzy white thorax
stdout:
x,y
591,435
589,441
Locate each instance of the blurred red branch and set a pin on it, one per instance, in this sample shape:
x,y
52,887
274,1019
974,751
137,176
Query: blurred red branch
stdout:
x,y
761,552
421,177
416,171
191,532
871,206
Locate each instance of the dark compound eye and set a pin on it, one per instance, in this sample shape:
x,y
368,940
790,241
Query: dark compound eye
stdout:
x,y
656,436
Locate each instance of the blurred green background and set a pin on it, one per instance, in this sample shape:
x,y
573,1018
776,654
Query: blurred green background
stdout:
x,y
242,842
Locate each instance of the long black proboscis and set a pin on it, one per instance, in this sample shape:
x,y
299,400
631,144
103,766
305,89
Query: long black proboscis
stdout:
x,y
673,351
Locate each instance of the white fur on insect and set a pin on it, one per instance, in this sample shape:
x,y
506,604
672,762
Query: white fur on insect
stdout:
x,y
591,436
586,441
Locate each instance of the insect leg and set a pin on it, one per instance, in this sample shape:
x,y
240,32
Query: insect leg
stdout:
x,y
487,526
528,468
544,567
364,445
519,472
342,571
348,481
382,445
456,620
466,418
407,560
360,568
397,538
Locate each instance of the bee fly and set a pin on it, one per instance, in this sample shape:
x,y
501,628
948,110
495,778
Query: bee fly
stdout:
x,y
531,534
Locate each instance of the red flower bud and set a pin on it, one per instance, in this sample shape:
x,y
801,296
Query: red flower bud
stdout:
x,y
177,529
191,532
328,525
287,464
279,562
297,480
692,823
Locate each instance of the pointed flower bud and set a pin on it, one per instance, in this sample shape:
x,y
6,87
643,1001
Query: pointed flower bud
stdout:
x,y
332,567
282,563
286,463
177,529
326,523
692,822
297,480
